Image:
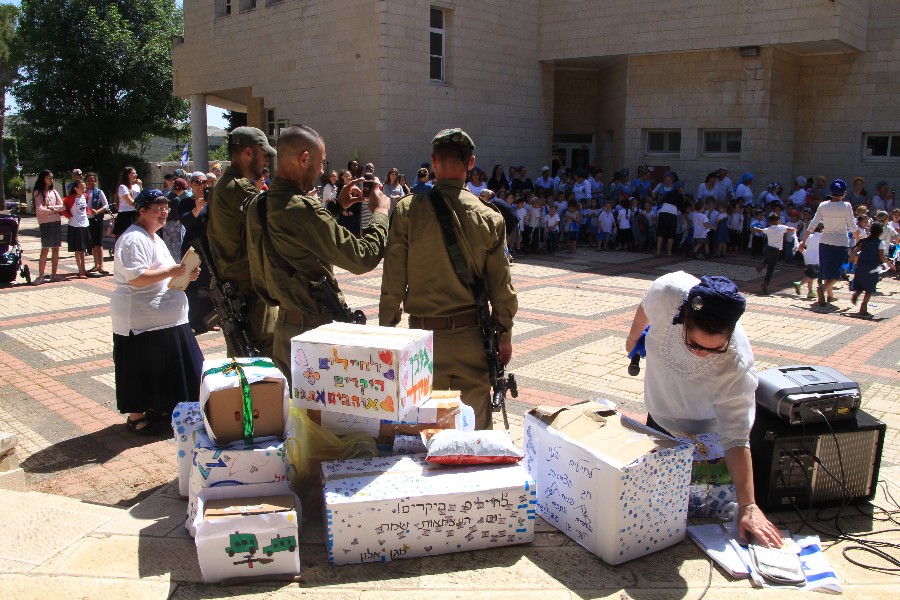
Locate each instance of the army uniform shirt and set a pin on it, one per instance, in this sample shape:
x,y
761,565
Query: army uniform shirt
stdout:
x,y
418,272
225,229
311,241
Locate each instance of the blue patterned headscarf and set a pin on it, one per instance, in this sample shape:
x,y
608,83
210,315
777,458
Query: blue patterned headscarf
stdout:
x,y
715,298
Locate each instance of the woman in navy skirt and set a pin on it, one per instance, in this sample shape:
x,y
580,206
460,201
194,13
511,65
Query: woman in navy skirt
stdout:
x,y
157,359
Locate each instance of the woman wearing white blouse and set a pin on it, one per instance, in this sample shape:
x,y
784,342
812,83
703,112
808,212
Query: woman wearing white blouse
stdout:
x,y
329,190
837,216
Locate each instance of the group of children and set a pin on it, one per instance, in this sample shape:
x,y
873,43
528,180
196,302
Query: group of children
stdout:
x,y
873,254
544,220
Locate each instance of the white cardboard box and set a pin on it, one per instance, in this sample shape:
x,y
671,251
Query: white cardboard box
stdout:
x,y
618,488
373,372
186,417
234,465
250,531
381,509
220,399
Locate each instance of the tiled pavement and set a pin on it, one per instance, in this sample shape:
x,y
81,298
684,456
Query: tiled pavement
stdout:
x,y
57,394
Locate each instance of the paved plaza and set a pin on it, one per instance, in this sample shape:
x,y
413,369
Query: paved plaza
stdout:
x,y
101,517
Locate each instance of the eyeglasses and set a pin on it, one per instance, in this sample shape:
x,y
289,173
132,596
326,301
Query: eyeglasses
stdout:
x,y
160,208
199,181
698,348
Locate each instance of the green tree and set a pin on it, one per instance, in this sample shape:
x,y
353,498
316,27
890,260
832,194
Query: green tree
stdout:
x,y
9,16
234,119
95,81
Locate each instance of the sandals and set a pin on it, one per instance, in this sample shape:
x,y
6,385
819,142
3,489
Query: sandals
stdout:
x,y
103,272
149,427
93,269
56,278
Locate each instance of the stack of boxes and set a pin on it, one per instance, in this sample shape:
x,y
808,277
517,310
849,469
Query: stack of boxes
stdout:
x,y
379,380
232,466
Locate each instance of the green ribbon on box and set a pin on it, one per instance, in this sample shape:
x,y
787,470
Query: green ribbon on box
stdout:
x,y
238,367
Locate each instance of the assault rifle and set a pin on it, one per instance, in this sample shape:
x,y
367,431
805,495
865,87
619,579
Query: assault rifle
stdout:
x,y
327,295
490,336
230,306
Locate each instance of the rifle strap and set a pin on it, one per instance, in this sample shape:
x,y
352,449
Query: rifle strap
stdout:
x,y
262,209
450,240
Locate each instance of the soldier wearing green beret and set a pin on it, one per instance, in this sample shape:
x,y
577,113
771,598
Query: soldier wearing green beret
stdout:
x,y
250,152
420,275
299,240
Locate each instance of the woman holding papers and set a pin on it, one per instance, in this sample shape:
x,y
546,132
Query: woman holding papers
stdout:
x,y
157,359
700,378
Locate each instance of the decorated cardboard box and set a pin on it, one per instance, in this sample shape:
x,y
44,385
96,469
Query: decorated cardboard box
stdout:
x,y
237,464
362,370
241,398
712,492
186,417
444,410
381,509
615,486
245,532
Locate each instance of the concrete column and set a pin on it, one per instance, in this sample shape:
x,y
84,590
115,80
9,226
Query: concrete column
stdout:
x,y
199,138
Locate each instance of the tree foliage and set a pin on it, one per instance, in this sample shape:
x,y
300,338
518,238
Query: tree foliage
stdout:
x,y
95,81
9,16
234,119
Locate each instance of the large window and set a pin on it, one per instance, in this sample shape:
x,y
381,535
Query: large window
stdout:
x,y
247,5
663,142
436,44
722,142
882,145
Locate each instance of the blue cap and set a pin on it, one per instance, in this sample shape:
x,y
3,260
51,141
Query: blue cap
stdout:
x,y
774,185
148,197
838,187
716,299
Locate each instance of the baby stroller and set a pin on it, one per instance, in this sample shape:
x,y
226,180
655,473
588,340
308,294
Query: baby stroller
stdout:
x,y
11,253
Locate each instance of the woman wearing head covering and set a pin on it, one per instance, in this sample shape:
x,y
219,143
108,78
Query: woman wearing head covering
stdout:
x,y
834,244
742,193
157,359
700,377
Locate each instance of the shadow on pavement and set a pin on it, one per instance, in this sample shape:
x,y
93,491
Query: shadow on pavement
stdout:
x,y
89,449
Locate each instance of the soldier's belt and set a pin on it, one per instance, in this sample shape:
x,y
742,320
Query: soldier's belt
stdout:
x,y
307,321
440,323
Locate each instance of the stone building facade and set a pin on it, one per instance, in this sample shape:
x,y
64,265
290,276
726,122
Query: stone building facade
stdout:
x,y
775,87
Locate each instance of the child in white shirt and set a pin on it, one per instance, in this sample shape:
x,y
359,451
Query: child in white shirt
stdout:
x,y
551,225
700,225
811,260
606,222
774,243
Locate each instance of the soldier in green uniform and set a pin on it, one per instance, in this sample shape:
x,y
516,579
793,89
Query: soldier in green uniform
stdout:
x,y
300,240
250,152
419,274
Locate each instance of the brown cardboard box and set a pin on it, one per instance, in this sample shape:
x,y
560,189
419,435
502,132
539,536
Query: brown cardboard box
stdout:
x,y
224,417
257,505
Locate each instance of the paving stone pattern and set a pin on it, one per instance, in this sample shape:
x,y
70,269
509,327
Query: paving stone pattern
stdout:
x,y
102,509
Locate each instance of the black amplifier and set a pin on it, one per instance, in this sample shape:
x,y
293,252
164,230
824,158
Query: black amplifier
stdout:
x,y
807,394
810,464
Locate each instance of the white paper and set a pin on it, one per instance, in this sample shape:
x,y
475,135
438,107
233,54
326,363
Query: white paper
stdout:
x,y
190,261
715,540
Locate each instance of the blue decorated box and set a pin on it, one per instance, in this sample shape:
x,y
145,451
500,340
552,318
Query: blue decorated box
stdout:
x,y
237,464
186,417
615,486
381,509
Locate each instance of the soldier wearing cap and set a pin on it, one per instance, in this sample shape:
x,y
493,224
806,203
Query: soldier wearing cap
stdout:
x,y
300,241
250,152
420,275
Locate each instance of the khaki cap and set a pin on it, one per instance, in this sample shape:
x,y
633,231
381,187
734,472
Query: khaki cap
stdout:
x,y
251,136
455,137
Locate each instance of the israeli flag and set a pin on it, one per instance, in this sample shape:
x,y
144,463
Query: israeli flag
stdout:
x,y
184,154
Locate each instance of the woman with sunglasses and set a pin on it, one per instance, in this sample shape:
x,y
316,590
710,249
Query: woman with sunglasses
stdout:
x,y
700,377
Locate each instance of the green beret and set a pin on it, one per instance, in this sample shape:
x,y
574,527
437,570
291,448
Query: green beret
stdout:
x,y
455,137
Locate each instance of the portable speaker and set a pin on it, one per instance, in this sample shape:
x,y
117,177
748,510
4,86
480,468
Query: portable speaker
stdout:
x,y
800,464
